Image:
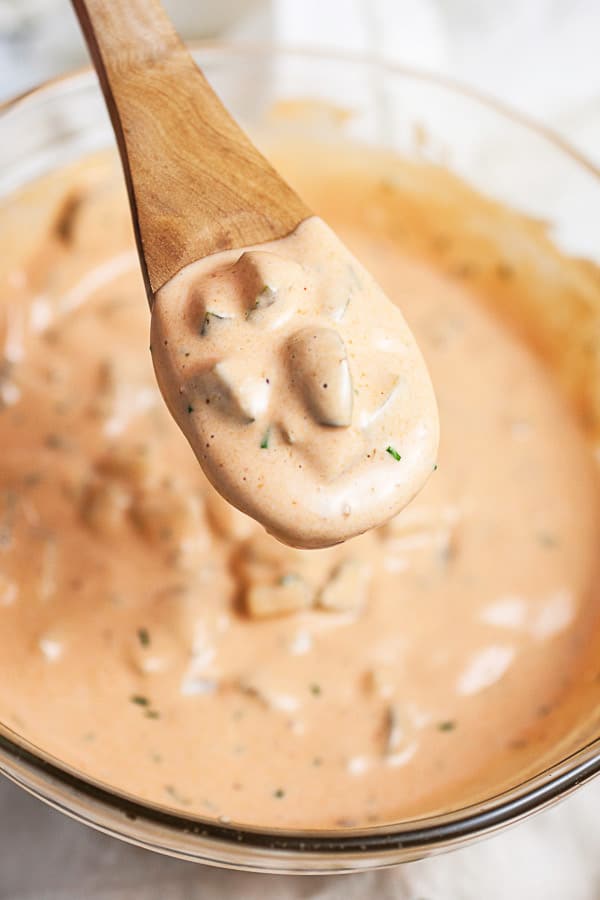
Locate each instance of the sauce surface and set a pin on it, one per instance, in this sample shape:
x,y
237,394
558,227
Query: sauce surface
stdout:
x,y
161,642
298,385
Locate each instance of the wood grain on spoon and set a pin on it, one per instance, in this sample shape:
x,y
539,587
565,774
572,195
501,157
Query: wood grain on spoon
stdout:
x,y
197,185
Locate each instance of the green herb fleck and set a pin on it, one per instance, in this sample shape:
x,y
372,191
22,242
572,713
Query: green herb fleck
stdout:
x,y
393,452
264,444
279,793
190,409
172,791
315,689
152,714
143,637
140,700
435,467
448,725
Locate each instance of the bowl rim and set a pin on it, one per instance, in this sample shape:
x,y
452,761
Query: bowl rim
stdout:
x,y
262,48
293,850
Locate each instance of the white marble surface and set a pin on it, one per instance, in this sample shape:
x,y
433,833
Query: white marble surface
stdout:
x,y
541,56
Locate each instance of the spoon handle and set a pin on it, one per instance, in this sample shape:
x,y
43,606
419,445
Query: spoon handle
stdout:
x,y
196,183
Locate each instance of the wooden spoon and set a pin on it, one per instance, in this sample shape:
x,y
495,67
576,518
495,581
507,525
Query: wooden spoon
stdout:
x,y
197,185
200,189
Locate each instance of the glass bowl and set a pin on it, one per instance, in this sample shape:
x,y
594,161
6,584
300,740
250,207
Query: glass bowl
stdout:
x,y
416,115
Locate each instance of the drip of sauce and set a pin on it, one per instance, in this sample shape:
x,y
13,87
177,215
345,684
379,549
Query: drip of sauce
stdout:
x,y
159,641
298,385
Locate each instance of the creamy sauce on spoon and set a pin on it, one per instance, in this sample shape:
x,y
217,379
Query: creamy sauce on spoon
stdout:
x,y
298,385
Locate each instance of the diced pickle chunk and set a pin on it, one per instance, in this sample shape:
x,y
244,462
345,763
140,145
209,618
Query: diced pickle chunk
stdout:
x,y
266,297
291,594
238,394
212,321
104,505
168,515
131,464
271,308
319,366
346,590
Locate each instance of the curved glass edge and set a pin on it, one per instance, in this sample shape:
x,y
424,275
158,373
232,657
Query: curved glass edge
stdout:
x,y
255,849
296,852
243,48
